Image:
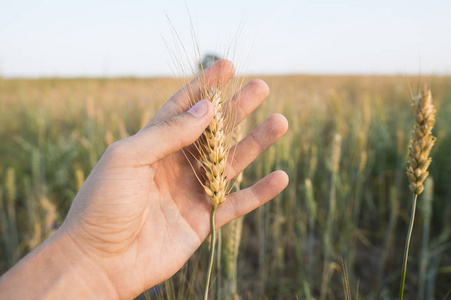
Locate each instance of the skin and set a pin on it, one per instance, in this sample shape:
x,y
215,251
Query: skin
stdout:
x,y
142,213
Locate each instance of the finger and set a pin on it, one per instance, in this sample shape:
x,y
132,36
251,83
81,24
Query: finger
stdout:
x,y
245,101
215,76
154,143
255,143
246,200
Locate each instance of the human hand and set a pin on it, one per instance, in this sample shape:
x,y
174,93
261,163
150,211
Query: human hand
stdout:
x,y
142,213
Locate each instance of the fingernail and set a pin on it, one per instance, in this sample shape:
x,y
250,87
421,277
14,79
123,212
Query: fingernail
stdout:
x,y
199,109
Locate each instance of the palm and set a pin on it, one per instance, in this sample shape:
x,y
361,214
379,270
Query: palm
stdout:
x,y
134,204
178,220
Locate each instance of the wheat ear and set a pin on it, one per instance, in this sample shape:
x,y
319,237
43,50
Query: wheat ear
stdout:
x,y
214,150
421,142
420,146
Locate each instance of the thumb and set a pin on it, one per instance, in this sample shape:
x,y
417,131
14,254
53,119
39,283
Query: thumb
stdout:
x,y
168,136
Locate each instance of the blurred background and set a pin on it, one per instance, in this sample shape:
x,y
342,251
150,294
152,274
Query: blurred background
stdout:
x,y
77,75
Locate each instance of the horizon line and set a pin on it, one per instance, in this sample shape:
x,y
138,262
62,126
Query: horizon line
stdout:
x,y
276,74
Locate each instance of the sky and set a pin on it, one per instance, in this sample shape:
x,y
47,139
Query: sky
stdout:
x,y
98,38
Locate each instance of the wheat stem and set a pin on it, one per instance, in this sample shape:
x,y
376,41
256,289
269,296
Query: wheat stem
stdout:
x,y
406,249
212,250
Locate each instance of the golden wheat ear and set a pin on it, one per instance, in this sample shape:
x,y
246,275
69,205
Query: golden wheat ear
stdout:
x,y
421,141
214,150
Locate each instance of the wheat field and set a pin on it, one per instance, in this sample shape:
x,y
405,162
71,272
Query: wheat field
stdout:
x,y
337,231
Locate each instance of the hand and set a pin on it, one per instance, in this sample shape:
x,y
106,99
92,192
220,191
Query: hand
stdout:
x,y
142,213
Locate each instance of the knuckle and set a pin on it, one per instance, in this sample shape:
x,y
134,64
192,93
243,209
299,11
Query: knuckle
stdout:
x,y
176,128
235,211
258,142
170,123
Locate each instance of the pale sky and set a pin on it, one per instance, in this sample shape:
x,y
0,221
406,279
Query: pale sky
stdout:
x,y
126,38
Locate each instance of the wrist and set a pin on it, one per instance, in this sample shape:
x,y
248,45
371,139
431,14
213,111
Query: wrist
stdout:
x,y
82,268
57,269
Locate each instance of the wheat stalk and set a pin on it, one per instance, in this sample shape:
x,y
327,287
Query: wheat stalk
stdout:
x,y
420,146
328,235
213,146
232,235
